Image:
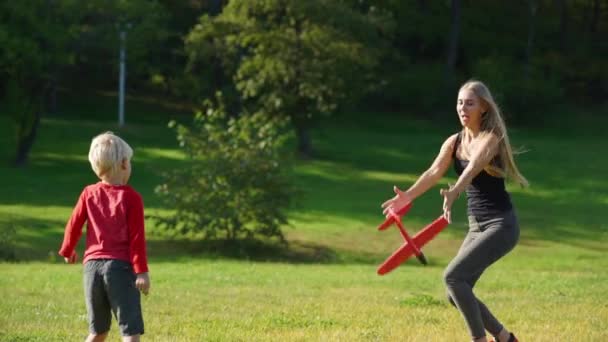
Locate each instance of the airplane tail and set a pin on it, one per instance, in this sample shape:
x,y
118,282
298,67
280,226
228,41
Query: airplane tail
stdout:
x,y
390,218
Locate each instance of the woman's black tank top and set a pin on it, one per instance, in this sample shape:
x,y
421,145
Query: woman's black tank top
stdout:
x,y
486,195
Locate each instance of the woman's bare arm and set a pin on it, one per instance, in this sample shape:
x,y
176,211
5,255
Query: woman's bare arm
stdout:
x,y
483,154
433,174
426,180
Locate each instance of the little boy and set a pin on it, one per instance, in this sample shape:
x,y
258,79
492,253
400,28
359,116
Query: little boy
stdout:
x,y
115,261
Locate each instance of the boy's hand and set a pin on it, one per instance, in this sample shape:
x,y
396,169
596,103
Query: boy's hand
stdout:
x,y
72,259
142,282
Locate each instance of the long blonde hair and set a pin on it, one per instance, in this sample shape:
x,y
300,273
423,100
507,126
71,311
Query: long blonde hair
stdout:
x,y
492,122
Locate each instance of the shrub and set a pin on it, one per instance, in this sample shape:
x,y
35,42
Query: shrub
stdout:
x,y
237,183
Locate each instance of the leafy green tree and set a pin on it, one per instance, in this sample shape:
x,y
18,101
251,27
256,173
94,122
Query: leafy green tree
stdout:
x,y
45,42
290,58
97,25
33,47
237,184
170,74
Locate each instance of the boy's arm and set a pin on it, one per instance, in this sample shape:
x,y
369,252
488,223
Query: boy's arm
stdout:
x,y
137,238
73,229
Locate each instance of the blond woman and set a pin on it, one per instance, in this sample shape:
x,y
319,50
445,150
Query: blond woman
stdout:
x,y
483,158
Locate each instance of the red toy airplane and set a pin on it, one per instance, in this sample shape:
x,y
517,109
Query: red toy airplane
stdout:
x,y
411,246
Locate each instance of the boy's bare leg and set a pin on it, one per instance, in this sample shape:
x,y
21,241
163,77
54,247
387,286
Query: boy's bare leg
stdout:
x,y
134,338
96,338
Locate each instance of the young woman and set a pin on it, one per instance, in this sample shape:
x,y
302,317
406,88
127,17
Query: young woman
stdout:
x,y
483,158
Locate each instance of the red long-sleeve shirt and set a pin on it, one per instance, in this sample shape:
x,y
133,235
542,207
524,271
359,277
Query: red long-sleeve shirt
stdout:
x,y
115,225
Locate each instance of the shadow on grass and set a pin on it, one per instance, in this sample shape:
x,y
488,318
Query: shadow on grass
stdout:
x,y
573,216
36,239
295,252
58,168
252,250
566,203
40,240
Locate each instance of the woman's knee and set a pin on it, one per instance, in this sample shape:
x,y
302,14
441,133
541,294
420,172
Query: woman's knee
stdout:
x,y
450,277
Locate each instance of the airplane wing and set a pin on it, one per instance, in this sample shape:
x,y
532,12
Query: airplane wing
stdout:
x,y
429,232
398,257
407,250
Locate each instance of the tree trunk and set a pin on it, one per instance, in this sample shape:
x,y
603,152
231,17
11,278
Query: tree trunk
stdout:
x,y
595,15
215,7
452,54
563,24
24,145
302,124
422,6
304,141
52,97
532,8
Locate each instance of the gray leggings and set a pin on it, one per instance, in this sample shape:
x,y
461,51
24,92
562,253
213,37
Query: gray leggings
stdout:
x,y
485,243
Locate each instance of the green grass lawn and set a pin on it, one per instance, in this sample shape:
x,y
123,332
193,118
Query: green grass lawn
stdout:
x,y
323,286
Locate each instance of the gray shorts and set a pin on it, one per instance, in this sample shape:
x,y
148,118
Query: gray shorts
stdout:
x,y
109,287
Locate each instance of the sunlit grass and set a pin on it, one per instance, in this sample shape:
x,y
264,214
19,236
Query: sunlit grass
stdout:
x,y
223,300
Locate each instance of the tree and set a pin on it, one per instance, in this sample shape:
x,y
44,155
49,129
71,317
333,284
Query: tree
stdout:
x,y
33,47
41,40
97,25
171,75
290,58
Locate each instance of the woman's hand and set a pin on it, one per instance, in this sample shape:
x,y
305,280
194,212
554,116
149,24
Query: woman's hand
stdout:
x,y
449,196
396,203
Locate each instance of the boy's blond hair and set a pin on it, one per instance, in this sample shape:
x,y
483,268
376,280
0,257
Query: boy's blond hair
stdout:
x,y
107,152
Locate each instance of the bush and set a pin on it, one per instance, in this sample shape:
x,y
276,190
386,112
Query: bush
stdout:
x,y
237,184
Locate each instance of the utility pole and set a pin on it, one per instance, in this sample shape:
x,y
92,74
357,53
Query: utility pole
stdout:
x,y
122,74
